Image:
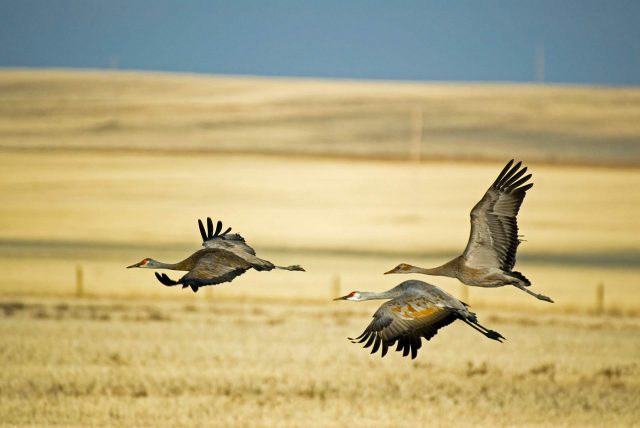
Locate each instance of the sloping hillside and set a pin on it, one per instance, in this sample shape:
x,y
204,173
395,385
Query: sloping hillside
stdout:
x,y
171,112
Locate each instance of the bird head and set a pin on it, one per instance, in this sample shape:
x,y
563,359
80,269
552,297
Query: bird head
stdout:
x,y
401,268
354,295
145,263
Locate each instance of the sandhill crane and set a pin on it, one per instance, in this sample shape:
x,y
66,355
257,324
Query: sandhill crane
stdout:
x,y
416,310
490,255
224,257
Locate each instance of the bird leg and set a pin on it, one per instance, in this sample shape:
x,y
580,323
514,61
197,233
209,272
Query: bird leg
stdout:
x,y
536,295
293,267
491,334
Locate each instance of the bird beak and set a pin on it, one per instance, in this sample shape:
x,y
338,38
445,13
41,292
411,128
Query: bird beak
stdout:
x,y
391,271
341,298
135,265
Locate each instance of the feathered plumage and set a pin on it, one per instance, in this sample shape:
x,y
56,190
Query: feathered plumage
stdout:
x,y
490,254
225,257
416,310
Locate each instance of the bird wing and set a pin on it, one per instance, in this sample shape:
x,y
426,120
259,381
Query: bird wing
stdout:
x,y
406,320
231,242
494,228
215,267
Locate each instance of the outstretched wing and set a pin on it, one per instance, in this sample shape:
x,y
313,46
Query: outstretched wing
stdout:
x,y
494,228
215,267
231,242
405,320
224,240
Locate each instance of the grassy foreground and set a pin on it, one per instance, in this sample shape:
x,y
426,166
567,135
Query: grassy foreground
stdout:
x,y
101,363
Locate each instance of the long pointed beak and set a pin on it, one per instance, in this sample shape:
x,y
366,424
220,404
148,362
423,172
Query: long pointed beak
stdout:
x,y
341,298
391,271
132,266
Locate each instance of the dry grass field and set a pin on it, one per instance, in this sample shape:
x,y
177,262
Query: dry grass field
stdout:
x,y
99,170
101,363
178,113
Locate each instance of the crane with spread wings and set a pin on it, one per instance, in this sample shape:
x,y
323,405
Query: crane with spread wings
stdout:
x,y
490,255
416,310
225,256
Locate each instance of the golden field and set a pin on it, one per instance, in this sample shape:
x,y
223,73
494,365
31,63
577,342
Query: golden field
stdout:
x,y
190,113
115,363
99,170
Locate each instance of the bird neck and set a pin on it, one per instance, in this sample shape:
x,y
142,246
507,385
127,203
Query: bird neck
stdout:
x,y
161,265
370,295
448,269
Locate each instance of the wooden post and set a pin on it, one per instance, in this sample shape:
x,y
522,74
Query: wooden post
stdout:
x,y
416,133
79,281
600,298
335,287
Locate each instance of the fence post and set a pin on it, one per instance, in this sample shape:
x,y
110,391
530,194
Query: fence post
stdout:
x,y
79,281
600,298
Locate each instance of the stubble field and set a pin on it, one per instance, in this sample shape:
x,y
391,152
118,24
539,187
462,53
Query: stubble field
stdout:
x,y
88,363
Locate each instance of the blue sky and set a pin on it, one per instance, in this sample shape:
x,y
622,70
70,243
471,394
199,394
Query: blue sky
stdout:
x,y
584,41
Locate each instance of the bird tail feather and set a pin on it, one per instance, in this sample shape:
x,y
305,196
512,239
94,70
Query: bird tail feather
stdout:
x,y
521,277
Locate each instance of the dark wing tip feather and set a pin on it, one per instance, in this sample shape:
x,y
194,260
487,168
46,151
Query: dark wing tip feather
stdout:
x,y
515,185
209,228
508,184
525,188
385,348
376,344
203,232
359,337
210,233
503,172
372,337
164,279
513,172
406,349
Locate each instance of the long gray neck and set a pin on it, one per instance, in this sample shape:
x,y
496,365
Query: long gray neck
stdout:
x,y
160,265
370,295
449,269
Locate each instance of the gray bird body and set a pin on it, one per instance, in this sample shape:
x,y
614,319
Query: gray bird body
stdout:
x,y
225,257
415,310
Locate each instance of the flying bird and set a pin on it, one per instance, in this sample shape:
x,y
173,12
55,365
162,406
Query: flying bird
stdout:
x,y
490,255
225,256
416,310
